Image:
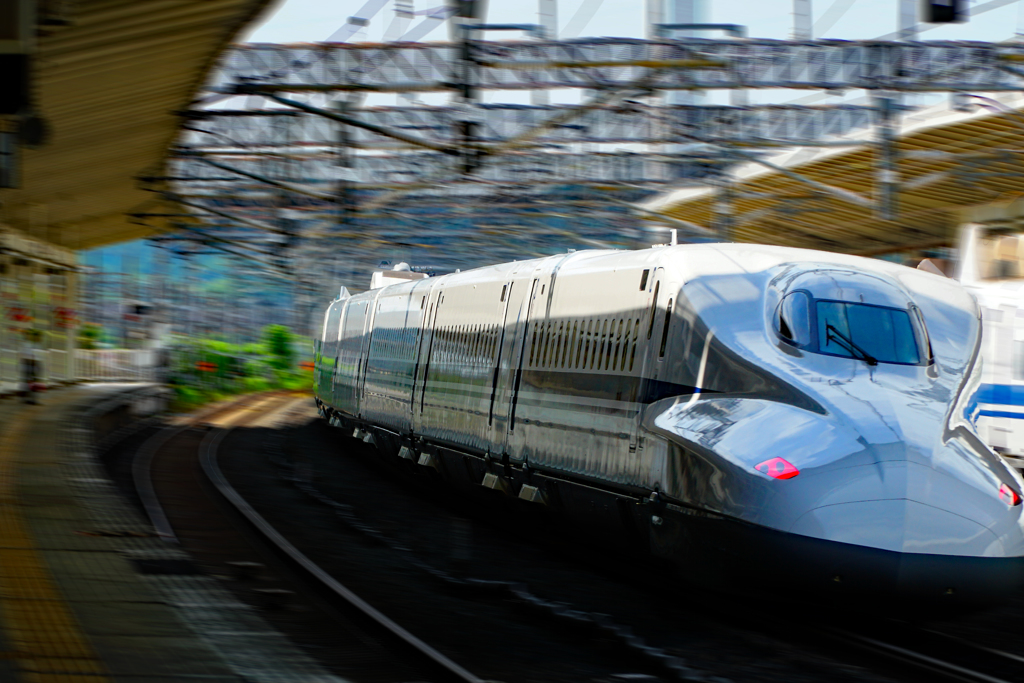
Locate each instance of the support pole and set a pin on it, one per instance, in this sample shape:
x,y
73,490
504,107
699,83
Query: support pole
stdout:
x,y
547,18
907,19
467,95
346,174
802,20
724,208
888,176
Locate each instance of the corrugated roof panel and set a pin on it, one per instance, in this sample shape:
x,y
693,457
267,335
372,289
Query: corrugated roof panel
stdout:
x,y
108,85
948,161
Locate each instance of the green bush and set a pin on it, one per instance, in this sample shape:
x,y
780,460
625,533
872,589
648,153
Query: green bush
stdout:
x,y
278,342
237,368
89,336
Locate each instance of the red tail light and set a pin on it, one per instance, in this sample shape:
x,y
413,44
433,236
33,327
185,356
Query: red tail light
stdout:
x,y
777,468
1008,495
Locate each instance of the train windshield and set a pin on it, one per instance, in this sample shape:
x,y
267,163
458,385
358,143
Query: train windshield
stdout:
x,y
868,332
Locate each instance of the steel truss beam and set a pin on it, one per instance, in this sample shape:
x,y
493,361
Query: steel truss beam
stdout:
x,y
778,125
594,63
399,170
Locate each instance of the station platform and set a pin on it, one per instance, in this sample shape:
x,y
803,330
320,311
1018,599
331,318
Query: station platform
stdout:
x,y
88,593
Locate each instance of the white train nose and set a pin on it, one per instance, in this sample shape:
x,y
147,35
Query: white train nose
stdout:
x,y
902,526
950,504
910,529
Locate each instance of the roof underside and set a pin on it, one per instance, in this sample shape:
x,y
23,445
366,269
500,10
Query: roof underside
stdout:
x,y
108,86
948,162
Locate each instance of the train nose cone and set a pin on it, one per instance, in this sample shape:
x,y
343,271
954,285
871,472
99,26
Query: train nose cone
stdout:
x,y
920,528
900,526
919,524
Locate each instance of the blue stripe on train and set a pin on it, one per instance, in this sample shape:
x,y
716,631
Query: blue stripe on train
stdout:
x,y
1001,394
1001,413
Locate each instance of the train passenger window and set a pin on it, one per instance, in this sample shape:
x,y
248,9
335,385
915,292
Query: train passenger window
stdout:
x,y
533,345
563,333
636,333
618,346
556,340
504,288
1018,359
625,347
541,336
586,342
654,309
572,344
579,344
664,330
549,343
606,342
643,279
548,334
556,335
609,340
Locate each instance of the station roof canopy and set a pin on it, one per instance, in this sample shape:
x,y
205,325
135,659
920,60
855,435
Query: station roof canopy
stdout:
x,y
951,165
109,84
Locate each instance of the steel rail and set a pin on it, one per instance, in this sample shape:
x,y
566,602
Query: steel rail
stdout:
x,y
208,461
142,466
936,664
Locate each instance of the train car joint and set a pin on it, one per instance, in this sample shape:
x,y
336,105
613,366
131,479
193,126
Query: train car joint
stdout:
x,y
532,494
493,481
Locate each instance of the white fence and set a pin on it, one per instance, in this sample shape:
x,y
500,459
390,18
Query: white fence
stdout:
x,y
135,365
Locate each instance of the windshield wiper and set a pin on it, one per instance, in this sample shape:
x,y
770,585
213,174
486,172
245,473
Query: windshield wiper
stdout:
x,y
831,333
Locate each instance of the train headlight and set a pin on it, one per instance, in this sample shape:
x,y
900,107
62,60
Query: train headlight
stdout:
x,y
778,468
1008,495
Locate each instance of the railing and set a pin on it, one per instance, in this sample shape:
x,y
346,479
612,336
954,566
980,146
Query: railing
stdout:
x,y
136,365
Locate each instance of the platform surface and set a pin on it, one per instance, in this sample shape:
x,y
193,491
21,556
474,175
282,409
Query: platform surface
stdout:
x,y
76,602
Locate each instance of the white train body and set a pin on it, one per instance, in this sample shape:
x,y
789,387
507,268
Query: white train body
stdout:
x,y
991,267
755,414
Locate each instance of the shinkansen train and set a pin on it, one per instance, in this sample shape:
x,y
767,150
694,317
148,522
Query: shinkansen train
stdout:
x,y
766,418
991,267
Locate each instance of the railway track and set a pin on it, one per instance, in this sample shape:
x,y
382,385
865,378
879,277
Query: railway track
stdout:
x,y
183,458
938,655
190,503
916,651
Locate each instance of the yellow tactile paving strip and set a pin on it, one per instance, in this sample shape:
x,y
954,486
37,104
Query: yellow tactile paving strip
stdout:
x,y
48,644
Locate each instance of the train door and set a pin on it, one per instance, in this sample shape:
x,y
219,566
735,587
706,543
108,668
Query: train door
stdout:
x,y
419,298
327,352
532,309
659,327
514,297
434,299
364,350
651,325
348,365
